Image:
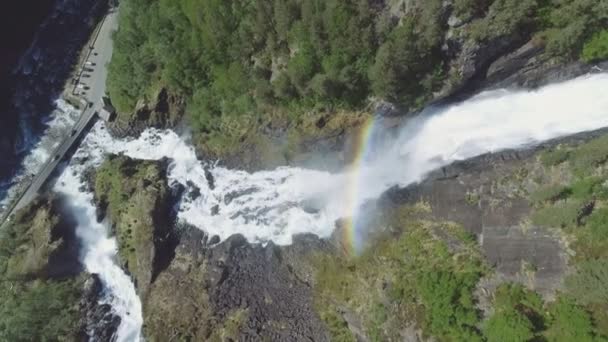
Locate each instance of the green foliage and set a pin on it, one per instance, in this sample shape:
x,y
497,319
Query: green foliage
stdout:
x,y
596,48
508,325
568,322
589,187
554,157
561,215
133,193
551,193
504,18
521,315
245,58
449,306
517,316
590,283
39,310
597,224
467,9
407,60
570,23
337,326
386,282
33,308
590,155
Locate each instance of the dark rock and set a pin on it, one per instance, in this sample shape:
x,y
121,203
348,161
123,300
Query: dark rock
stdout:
x,y
194,191
229,197
215,210
98,323
528,67
214,240
210,179
488,196
262,281
207,286
166,111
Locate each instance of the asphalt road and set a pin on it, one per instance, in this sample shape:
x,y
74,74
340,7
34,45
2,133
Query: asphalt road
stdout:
x,y
90,89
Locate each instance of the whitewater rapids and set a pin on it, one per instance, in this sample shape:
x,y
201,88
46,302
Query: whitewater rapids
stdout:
x,y
274,205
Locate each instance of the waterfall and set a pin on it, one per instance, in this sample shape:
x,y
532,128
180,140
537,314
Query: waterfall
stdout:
x,y
273,205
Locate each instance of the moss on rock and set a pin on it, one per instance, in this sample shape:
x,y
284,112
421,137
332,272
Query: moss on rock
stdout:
x,y
137,199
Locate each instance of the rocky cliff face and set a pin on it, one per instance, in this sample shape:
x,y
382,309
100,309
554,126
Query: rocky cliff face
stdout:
x,y
136,197
234,290
309,290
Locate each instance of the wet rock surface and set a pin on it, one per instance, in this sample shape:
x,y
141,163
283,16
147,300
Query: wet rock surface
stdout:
x,y
98,321
164,112
489,196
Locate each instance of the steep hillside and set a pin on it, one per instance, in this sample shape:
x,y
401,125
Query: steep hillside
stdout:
x,y
254,77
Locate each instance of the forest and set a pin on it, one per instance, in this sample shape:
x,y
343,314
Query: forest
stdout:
x,y
243,57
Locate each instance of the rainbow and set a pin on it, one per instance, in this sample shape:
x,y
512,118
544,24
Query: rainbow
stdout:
x,y
352,240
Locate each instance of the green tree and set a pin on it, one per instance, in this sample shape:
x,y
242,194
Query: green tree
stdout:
x,y
449,306
596,48
518,314
590,282
568,322
508,325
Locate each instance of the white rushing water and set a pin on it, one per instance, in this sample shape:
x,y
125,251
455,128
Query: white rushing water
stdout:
x,y
274,205
99,250
269,203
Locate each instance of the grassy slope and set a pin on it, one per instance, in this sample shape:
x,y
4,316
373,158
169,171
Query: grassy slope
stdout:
x,y
33,307
424,273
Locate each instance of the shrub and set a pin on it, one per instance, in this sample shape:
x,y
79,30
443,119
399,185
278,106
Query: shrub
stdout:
x,y
590,282
449,305
571,23
414,276
568,322
508,326
590,155
467,9
551,193
554,157
504,17
596,48
559,215
40,311
588,187
598,224
517,317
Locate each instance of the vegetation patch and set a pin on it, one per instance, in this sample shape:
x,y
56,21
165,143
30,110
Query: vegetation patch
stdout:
x,y
235,62
596,48
410,278
554,157
521,315
135,194
563,214
581,211
34,307
551,193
